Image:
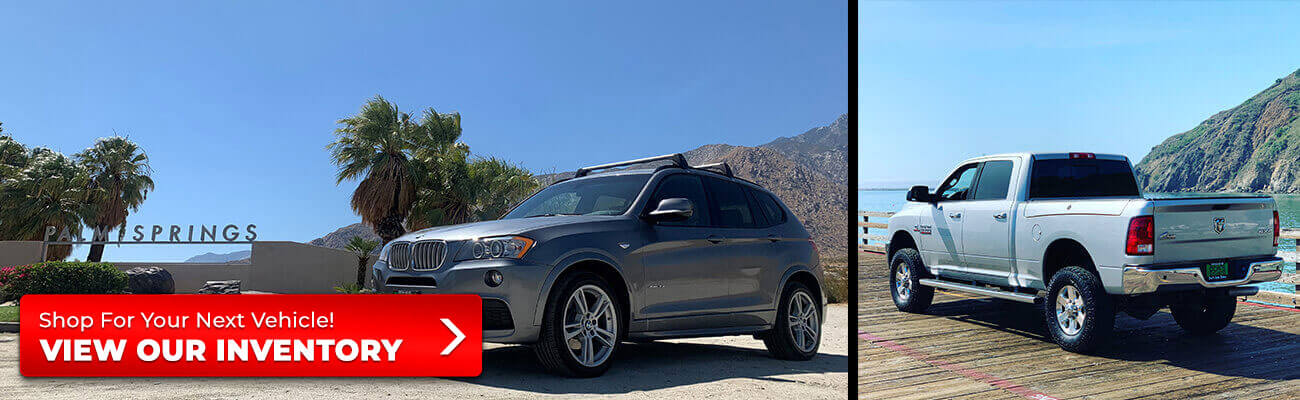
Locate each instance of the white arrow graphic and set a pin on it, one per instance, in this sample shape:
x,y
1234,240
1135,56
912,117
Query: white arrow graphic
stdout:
x,y
459,336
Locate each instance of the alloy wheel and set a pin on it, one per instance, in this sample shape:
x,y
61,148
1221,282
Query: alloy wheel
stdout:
x,y
803,321
1070,312
902,281
590,325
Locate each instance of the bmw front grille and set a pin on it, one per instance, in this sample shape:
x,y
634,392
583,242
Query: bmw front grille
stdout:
x,y
418,256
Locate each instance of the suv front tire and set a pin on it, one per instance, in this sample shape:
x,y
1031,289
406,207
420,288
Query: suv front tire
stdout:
x,y
581,328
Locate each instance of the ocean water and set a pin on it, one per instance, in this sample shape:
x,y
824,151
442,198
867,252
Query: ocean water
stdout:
x,y
1288,207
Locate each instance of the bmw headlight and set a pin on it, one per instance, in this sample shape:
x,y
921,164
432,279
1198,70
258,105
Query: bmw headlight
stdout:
x,y
383,253
499,247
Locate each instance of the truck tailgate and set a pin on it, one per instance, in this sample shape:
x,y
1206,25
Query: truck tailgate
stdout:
x,y
1197,229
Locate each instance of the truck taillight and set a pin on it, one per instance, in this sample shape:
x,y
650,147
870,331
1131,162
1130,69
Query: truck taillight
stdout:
x,y
1083,156
1277,228
1141,236
816,254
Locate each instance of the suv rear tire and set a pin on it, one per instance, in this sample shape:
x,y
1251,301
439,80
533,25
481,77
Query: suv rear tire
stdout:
x,y
1209,315
567,324
801,310
905,273
1080,314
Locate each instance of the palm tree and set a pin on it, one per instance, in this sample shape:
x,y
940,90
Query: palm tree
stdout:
x,y
50,191
362,248
379,143
13,156
119,173
467,190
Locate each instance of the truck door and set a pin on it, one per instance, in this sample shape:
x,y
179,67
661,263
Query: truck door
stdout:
x,y
986,231
941,248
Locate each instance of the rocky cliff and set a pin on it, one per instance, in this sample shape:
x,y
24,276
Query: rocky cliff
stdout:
x,y
1253,147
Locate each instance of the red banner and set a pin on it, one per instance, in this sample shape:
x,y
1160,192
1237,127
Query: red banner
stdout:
x,y
251,335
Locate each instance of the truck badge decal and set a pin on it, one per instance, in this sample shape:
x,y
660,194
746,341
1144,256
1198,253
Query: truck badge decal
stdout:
x,y
1167,236
1219,224
922,229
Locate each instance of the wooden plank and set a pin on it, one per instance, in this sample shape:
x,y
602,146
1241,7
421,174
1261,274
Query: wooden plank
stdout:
x,y
1286,299
876,214
873,225
976,347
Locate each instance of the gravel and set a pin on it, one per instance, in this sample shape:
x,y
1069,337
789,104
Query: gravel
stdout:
x,y
726,367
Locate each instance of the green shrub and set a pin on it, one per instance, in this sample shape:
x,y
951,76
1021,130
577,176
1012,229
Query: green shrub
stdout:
x,y
352,288
837,284
59,277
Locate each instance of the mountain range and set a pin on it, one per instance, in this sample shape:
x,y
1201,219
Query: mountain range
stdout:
x,y
221,258
809,172
1253,147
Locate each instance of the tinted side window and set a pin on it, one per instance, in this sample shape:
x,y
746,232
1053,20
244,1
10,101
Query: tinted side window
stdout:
x,y
994,181
732,205
760,219
770,208
1082,177
686,187
957,186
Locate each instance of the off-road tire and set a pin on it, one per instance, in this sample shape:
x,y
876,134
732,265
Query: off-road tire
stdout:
x,y
919,297
551,349
1098,307
1205,317
778,340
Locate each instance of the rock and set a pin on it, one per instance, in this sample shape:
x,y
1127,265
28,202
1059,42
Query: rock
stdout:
x,y
1290,279
220,287
150,280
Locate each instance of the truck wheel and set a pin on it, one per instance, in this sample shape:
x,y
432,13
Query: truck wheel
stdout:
x,y
581,327
798,328
1206,316
905,274
1080,315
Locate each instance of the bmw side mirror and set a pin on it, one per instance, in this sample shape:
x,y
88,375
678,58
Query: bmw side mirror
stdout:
x,y
675,209
920,193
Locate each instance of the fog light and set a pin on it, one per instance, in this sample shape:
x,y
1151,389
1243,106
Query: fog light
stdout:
x,y
493,278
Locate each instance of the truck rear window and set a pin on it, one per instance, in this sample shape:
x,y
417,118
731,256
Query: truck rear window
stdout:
x,y
1082,178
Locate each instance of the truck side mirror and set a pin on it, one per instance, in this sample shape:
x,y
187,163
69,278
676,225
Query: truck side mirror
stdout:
x,y
920,193
674,209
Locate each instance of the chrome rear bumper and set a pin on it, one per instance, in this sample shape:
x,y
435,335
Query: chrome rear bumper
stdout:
x,y
1140,279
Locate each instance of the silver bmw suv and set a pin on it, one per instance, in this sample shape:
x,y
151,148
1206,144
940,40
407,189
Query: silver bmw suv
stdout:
x,y
628,254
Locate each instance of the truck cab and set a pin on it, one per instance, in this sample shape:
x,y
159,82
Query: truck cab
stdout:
x,y
1073,231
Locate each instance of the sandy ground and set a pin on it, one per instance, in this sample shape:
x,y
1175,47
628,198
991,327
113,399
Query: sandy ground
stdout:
x,y
727,367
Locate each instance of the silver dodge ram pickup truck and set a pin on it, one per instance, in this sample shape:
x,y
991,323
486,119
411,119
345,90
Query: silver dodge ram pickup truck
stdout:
x,y
1072,232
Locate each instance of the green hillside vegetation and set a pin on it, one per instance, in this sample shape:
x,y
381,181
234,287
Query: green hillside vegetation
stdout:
x,y
1252,147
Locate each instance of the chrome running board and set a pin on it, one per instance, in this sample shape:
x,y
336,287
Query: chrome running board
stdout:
x,y
962,287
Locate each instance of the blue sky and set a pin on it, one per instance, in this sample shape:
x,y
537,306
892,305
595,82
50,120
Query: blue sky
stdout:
x,y
941,82
236,101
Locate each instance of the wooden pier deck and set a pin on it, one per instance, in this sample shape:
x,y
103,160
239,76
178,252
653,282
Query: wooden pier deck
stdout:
x,y
974,347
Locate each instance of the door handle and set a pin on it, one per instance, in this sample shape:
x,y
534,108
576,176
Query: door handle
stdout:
x,y
1000,217
773,238
954,215
715,239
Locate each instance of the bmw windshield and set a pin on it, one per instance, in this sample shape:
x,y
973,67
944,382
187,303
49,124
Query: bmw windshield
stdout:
x,y
607,195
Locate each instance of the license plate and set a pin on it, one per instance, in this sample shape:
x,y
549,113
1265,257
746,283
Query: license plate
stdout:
x,y
1215,271
407,291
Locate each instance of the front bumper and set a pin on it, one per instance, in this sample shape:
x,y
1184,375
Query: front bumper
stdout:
x,y
1139,279
519,291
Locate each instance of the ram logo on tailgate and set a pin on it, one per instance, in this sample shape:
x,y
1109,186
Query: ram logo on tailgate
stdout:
x,y
1219,223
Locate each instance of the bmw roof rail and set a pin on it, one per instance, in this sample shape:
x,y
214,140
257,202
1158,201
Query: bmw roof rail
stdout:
x,y
678,160
719,167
